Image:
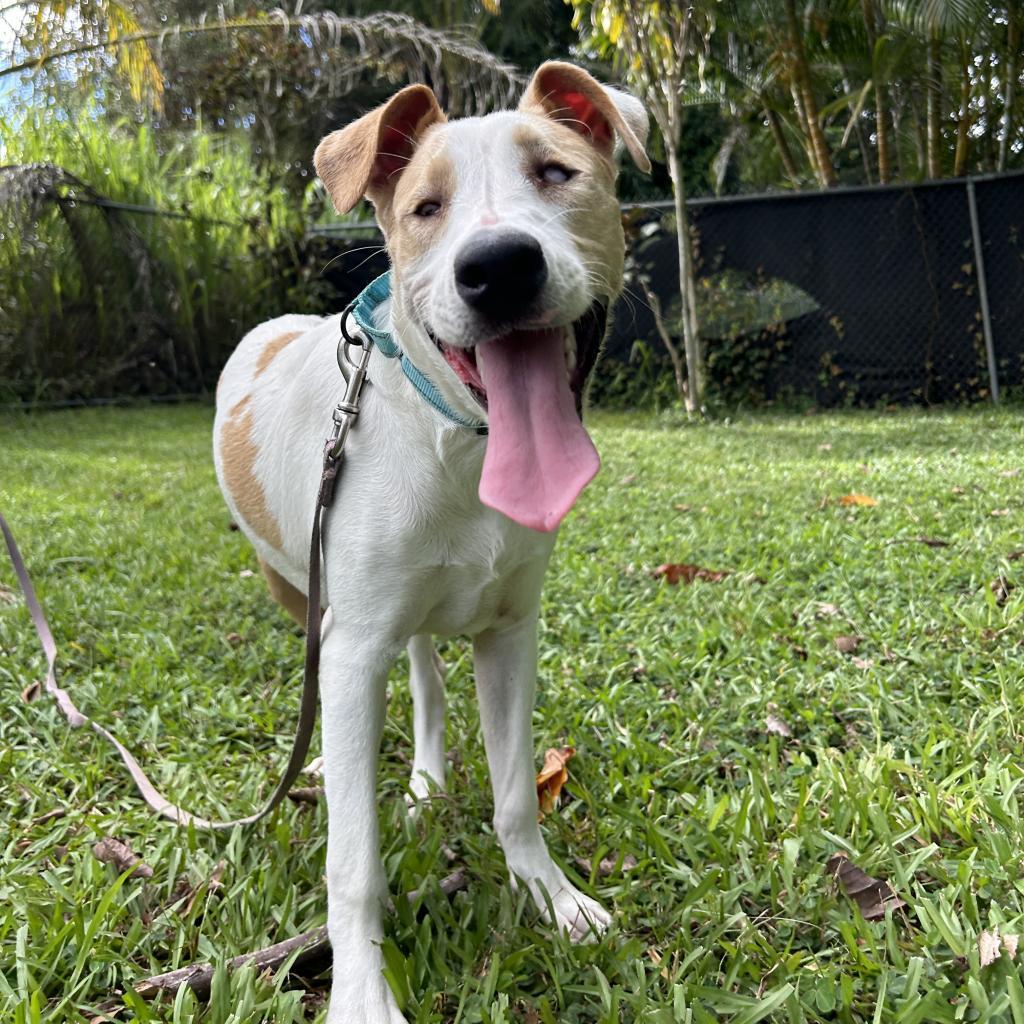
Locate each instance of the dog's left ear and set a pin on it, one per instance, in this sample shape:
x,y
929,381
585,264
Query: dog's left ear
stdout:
x,y
566,93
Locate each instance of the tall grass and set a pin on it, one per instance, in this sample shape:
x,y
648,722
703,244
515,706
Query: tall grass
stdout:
x,y
96,301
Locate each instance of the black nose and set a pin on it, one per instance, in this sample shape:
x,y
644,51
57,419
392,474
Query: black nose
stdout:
x,y
500,274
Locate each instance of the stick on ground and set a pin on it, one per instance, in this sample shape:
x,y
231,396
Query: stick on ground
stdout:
x,y
312,946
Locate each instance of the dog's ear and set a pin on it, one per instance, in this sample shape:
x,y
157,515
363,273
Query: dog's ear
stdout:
x,y
366,157
568,94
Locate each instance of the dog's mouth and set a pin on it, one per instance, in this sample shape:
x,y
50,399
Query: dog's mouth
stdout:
x,y
581,343
532,382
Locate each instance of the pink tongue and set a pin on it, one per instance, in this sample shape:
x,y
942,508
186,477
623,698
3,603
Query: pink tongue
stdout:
x,y
539,457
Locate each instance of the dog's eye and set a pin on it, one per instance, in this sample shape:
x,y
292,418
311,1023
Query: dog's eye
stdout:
x,y
554,174
427,209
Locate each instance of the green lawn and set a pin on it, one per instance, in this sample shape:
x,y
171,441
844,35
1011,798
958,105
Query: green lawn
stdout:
x,y
906,753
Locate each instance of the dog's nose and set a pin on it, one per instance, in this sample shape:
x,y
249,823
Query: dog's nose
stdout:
x,y
500,273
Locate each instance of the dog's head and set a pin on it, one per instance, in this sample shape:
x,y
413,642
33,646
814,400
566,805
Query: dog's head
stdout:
x,y
507,252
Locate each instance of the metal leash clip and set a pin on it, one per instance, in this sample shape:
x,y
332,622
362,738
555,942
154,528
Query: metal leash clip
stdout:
x,y
347,410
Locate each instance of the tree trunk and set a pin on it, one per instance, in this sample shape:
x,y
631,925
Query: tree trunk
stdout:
x,y
691,336
785,153
870,14
934,106
963,123
823,157
1013,42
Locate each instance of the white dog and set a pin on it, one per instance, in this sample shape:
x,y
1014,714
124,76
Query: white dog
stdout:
x,y
506,247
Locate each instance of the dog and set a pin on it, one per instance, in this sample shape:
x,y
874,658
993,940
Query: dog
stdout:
x,y
506,247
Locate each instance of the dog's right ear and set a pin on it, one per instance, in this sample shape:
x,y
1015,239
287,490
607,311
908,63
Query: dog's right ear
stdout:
x,y
366,157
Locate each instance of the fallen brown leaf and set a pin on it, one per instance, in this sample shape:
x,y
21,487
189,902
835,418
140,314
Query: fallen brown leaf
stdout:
x,y
999,512
552,777
32,692
873,896
932,542
1015,556
121,855
7,595
1002,588
306,794
776,726
682,508
825,610
676,572
1010,943
234,639
847,644
628,480
606,865
862,663
825,446
856,499
1010,472
957,490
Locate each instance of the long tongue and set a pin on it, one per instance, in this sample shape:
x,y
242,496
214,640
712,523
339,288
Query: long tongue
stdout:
x,y
539,457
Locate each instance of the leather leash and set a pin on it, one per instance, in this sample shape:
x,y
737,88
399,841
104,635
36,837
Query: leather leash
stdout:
x,y
344,416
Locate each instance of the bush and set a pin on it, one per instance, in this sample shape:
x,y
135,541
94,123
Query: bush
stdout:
x,y
97,300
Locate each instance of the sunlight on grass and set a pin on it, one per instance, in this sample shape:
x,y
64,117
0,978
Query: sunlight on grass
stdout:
x,y
904,753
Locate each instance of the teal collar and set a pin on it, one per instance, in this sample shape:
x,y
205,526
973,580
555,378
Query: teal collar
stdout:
x,y
363,310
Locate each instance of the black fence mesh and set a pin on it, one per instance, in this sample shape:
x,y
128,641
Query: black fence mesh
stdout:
x,y
859,295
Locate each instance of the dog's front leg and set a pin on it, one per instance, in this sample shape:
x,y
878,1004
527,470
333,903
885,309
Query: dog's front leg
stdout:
x,y
506,672
353,678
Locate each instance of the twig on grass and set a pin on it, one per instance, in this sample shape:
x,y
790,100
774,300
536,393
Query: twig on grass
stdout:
x,y
311,947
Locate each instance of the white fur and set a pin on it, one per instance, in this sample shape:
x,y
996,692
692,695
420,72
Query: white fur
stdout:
x,y
410,552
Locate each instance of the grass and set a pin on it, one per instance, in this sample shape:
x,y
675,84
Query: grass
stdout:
x,y
906,755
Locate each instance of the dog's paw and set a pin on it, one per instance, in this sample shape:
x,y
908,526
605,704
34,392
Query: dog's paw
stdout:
x,y
582,918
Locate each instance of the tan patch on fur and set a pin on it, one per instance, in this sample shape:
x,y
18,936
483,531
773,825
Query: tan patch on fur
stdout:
x,y
594,220
272,348
430,175
238,451
290,598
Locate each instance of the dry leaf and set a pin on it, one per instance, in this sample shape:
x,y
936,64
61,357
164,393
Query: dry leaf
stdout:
x,y
776,726
627,480
1010,472
682,507
113,851
847,644
607,865
675,572
32,692
246,574
315,767
552,777
824,610
1015,556
857,499
825,446
957,490
306,794
6,595
862,663
873,896
1010,943
234,639
998,512
932,542
1002,588
988,947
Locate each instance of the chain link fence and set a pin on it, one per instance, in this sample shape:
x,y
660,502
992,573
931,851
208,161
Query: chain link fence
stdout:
x,y
909,293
